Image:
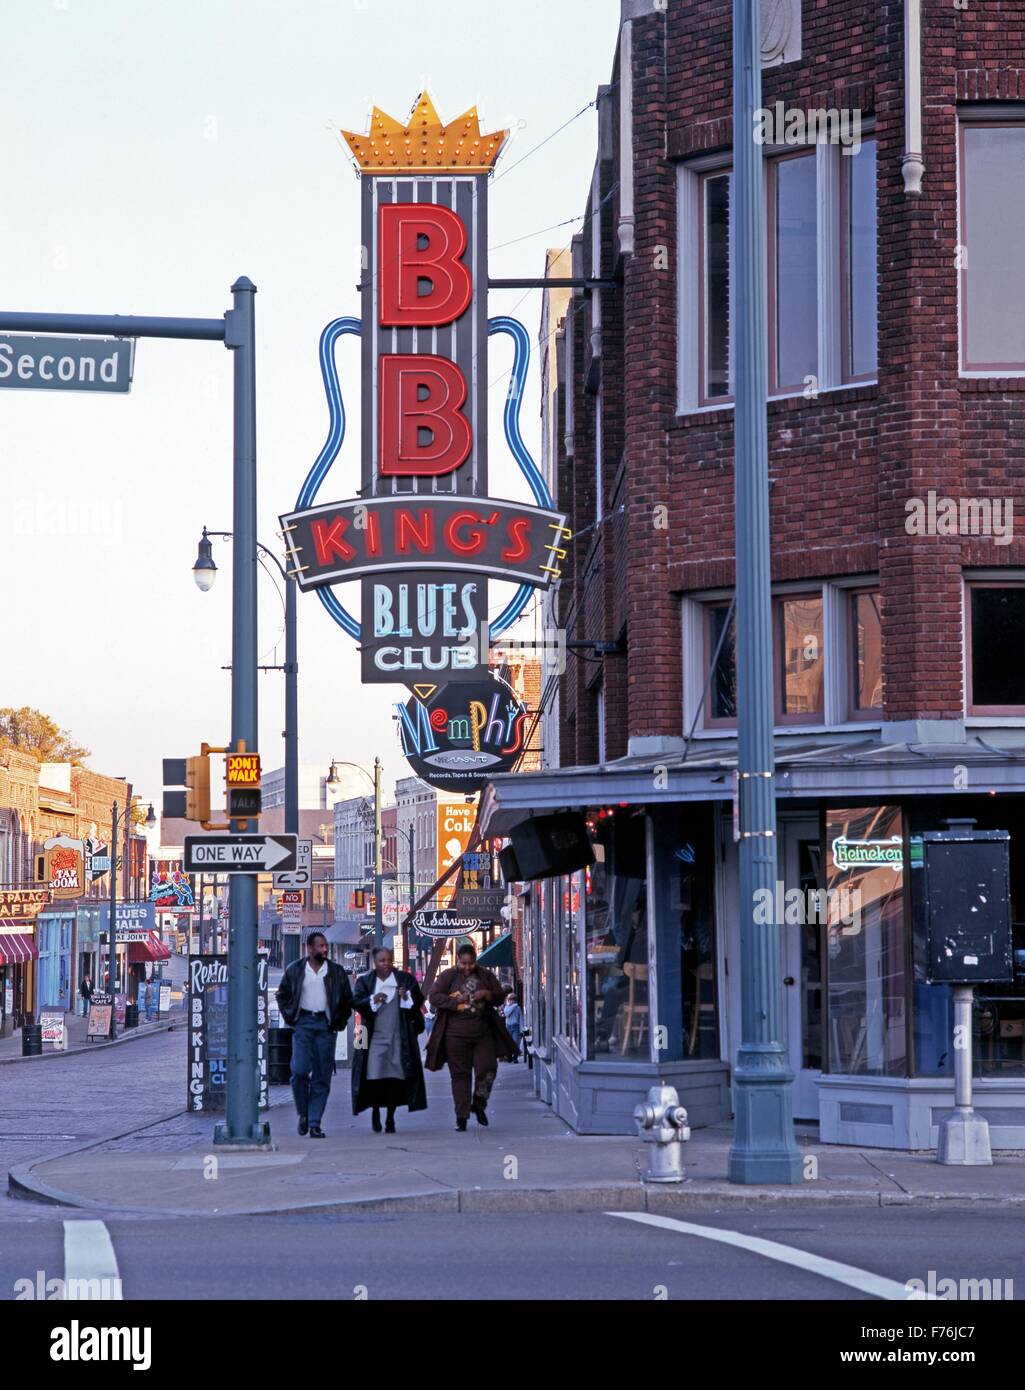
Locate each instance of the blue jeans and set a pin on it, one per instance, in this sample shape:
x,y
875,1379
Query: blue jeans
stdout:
x,y
313,1055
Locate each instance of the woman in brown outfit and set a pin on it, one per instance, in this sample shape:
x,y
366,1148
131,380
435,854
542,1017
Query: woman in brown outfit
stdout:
x,y
468,1034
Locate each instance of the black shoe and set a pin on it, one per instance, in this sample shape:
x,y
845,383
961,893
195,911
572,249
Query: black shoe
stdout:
x,y
460,1125
389,1126
304,1125
478,1108
316,1132
375,1121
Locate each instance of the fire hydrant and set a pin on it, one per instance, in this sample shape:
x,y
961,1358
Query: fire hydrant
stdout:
x,y
663,1125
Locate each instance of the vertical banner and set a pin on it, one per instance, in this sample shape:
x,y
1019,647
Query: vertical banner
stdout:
x,y
208,1032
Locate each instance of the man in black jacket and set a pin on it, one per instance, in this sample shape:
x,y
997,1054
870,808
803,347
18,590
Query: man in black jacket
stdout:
x,y
315,1000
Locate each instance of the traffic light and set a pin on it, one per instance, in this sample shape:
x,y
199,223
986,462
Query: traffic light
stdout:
x,y
197,787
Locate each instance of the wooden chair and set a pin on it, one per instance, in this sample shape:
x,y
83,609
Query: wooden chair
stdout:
x,y
635,973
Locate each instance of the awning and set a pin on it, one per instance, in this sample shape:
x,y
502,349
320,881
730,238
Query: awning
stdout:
x,y
347,934
813,767
16,946
150,949
500,952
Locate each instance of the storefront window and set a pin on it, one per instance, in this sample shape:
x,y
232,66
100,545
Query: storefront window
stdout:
x,y
867,986
692,906
572,889
619,1014
997,628
542,895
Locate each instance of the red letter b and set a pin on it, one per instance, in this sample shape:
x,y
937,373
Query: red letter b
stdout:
x,y
421,392
403,264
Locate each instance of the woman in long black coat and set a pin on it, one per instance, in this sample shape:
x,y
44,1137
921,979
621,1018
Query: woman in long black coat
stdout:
x,y
386,1070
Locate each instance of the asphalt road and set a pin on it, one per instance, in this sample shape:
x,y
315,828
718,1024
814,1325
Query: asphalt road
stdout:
x,y
45,1107
571,1256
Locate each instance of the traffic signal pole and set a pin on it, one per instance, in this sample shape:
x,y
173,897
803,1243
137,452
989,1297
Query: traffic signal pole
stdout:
x,y
242,1127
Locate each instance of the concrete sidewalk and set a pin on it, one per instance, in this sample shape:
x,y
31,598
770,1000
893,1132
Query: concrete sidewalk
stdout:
x,y
527,1159
10,1048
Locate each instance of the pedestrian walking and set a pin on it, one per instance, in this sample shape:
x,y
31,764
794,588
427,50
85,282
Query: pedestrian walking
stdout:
x,y
85,989
469,1034
315,1001
512,1016
386,1070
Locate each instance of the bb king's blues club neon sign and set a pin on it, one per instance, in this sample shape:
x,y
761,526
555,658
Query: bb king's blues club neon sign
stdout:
x,y
423,537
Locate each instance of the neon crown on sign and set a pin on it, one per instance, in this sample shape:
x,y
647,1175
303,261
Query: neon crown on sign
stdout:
x,y
426,142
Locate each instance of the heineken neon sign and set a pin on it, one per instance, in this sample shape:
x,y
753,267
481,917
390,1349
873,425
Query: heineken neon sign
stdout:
x,y
868,854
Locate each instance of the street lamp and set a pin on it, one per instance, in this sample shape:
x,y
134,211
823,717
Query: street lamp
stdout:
x,y
332,781
204,572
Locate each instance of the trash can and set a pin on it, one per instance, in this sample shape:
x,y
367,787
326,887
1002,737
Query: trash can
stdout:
x,y
131,1015
279,1056
32,1040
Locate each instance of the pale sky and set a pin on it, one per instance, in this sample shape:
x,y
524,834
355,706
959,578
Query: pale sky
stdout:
x,y
153,152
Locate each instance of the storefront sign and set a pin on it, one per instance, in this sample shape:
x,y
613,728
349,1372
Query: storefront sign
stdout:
x,y
423,537
862,854
169,888
53,1027
461,734
23,904
100,1010
164,999
64,867
455,826
446,923
208,1032
134,920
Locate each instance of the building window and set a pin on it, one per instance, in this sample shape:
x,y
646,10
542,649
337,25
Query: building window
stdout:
x,y
599,490
715,295
866,653
996,635
992,206
793,272
822,320
616,917
600,716
722,695
859,263
572,893
865,942
799,653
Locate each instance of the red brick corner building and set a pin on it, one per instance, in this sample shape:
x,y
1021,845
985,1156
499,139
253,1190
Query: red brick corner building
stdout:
x,y
893,137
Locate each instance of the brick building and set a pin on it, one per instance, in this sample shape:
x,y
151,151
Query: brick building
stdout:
x,y
896,361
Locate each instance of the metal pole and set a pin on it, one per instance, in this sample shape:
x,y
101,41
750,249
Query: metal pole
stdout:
x,y
763,1148
291,711
412,892
378,904
112,933
963,1138
242,1123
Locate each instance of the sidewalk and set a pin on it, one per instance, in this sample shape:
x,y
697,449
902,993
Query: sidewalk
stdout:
x,y
526,1160
10,1048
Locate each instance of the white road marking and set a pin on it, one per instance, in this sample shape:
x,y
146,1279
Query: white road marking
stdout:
x,y
89,1255
859,1279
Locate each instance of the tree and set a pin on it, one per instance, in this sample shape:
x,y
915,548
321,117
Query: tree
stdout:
x,y
35,733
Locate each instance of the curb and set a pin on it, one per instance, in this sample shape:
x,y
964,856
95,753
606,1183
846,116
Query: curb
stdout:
x,y
23,1185
131,1035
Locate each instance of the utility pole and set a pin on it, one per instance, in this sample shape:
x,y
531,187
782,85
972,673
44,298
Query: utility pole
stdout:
x,y
291,712
378,862
412,891
242,1126
763,1149
112,933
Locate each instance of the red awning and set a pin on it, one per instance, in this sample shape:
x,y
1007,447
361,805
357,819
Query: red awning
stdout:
x,y
17,946
150,949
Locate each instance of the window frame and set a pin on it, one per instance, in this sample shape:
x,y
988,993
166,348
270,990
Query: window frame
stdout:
x,y
870,713
991,122
704,399
780,718
971,708
848,377
710,721
772,163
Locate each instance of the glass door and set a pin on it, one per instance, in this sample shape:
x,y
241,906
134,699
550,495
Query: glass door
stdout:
x,y
801,959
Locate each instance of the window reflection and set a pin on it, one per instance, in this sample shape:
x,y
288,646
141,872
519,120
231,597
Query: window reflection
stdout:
x,y
619,1014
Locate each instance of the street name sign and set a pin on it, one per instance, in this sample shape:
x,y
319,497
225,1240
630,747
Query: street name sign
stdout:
x,y
239,854
302,875
66,364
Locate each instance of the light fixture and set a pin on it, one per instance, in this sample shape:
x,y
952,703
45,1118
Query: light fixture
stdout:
x,y
332,776
151,818
204,571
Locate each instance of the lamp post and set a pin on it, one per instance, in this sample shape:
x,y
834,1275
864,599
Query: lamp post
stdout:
x,y
763,1149
204,572
332,781
116,816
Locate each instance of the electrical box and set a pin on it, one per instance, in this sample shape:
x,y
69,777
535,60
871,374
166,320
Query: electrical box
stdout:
x,y
968,906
